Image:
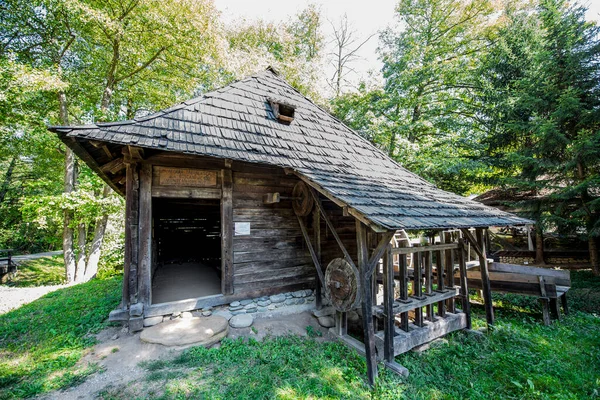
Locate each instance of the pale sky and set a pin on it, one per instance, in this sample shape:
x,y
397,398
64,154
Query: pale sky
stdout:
x,y
366,16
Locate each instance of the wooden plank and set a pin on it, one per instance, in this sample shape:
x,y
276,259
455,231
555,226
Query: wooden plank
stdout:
x,y
114,166
418,249
311,250
270,265
439,268
227,268
186,192
145,236
388,303
449,264
272,256
417,288
414,303
559,277
485,279
406,341
403,272
473,242
131,224
386,237
429,283
368,329
308,282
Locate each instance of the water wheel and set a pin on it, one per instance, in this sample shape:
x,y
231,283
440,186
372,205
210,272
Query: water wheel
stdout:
x,y
342,285
303,199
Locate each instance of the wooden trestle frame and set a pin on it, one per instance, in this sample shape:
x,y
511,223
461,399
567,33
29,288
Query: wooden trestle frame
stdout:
x,y
432,279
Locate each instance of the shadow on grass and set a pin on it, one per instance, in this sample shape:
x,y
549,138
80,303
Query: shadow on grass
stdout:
x,y
41,342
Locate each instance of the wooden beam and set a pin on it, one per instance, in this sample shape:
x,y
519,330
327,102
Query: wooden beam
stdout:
x,y
227,272
418,249
368,328
416,302
186,193
378,252
114,166
131,236
311,250
473,242
317,238
485,278
145,236
136,153
332,228
388,304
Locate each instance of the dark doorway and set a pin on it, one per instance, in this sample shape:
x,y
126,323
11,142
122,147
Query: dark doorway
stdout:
x,y
187,249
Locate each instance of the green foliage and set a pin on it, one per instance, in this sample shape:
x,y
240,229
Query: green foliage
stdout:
x,y
543,106
42,341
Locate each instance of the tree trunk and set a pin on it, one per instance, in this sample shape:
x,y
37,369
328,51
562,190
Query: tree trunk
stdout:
x,y
91,268
70,177
594,256
81,241
7,179
539,245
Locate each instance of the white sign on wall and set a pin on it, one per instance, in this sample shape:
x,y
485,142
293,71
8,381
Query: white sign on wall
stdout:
x,y
242,228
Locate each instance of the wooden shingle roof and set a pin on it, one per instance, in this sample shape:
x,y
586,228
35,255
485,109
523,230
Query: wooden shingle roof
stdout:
x,y
236,122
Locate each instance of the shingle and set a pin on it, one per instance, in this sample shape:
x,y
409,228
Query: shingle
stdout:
x,y
236,122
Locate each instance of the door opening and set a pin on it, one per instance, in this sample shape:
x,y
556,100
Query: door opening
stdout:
x,y
187,249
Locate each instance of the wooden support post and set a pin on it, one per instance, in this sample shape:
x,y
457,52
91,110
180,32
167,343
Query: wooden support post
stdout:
x,y
145,236
485,277
341,323
439,267
464,289
367,310
317,239
417,287
403,269
555,308
388,305
130,265
429,283
450,275
565,306
227,232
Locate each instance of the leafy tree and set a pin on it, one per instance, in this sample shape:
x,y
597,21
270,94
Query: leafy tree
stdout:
x,y
544,115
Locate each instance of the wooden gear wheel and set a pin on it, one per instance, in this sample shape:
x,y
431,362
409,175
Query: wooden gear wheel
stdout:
x,y
303,199
342,285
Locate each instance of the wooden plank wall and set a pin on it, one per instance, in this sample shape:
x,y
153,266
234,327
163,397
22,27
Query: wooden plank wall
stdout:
x,y
274,255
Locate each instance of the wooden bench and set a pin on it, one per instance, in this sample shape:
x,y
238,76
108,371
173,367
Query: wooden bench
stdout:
x,y
549,285
7,265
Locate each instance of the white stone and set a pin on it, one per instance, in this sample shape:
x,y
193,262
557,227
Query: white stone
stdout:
x,y
241,321
152,321
186,314
186,331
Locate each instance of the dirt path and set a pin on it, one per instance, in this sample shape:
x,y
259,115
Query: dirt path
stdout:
x,y
119,353
15,297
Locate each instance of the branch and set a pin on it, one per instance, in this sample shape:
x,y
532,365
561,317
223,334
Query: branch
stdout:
x,y
144,65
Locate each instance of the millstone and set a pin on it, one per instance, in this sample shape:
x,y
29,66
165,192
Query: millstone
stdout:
x,y
342,285
204,331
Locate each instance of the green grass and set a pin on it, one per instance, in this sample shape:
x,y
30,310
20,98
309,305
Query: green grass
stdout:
x,y
41,342
40,272
519,359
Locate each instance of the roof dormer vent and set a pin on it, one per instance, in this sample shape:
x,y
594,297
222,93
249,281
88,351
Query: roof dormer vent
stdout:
x,y
283,112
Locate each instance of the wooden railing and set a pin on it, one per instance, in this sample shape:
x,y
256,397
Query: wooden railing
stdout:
x,y
430,282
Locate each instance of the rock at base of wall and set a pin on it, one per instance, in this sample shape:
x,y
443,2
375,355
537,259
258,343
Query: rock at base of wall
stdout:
x,y
326,322
241,321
